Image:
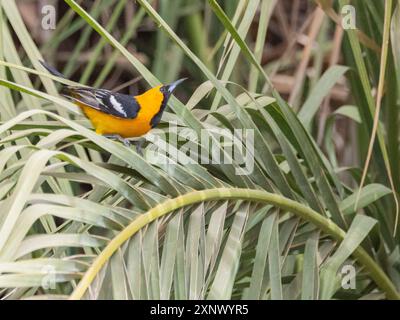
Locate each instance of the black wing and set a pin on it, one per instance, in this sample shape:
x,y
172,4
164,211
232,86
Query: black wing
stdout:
x,y
116,104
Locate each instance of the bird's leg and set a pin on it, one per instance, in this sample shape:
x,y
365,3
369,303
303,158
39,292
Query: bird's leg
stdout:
x,y
139,143
126,142
119,138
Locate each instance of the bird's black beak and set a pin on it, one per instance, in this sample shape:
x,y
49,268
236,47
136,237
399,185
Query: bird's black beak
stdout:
x,y
172,86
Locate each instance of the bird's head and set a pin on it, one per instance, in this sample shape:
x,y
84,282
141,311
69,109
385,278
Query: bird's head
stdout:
x,y
158,97
168,89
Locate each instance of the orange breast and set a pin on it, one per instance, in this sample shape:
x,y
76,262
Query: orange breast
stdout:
x,y
150,103
108,124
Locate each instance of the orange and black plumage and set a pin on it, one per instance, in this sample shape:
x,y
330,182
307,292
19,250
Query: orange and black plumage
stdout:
x,y
119,115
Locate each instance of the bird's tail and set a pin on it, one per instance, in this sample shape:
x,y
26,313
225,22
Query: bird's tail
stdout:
x,y
65,90
52,70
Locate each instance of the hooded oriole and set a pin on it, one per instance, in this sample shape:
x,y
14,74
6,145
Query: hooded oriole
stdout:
x,y
117,115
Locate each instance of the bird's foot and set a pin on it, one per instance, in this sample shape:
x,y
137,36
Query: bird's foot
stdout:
x,y
126,142
139,144
119,138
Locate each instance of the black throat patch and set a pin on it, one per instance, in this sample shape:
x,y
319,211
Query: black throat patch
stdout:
x,y
157,117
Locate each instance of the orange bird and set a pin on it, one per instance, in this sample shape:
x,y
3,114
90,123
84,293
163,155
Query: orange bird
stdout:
x,y
117,115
